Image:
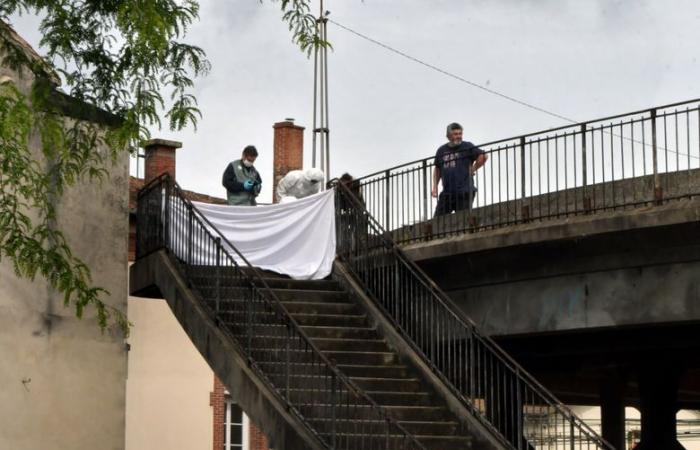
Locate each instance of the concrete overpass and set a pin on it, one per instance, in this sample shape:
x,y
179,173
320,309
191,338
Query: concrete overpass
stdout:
x,y
603,309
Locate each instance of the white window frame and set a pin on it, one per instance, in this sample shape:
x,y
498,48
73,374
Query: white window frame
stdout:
x,y
245,427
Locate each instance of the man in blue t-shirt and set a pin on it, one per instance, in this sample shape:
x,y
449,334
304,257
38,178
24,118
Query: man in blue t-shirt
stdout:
x,y
455,163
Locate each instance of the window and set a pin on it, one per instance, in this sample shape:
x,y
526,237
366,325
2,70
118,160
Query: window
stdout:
x,y
235,427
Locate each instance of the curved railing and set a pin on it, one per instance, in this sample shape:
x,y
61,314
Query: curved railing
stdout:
x,y
331,406
495,388
637,158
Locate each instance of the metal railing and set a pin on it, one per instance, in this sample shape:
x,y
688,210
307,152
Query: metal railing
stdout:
x,y
638,158
332,406
491,385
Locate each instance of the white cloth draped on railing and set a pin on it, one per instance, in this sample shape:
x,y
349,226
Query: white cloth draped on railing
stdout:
x,y
295,239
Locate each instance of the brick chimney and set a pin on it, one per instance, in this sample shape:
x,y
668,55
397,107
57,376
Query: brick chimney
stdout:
x,y
288,150
160,158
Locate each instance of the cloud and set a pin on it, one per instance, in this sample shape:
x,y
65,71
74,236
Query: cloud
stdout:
x,y
579,59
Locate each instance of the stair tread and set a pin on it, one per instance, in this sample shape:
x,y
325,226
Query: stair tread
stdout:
x,y
326,315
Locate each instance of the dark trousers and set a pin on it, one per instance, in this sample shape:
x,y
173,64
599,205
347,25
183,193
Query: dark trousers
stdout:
x,y
453,201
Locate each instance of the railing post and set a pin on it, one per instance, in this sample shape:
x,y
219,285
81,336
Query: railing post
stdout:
x,y
571,433
189,238
217,242
333,411
525,210
249,321
166,219
587,205
426,191
387,200
287,362
658,192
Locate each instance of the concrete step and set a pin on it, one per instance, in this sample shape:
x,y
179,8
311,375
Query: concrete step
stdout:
x,y
365,345
344,320
379,371
291,295
396,442
389,398
321,308
297,380
238,318
320,394
374,425
446,442
376,370
401,412
340,332
323,344
340,357
228,280
362,357
388,384
209,291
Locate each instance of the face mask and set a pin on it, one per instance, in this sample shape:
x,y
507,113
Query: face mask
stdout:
x,y
247,163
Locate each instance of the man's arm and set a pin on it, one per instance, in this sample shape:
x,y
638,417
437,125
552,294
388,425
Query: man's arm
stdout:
x,y
281,189
436,180
480,161
258,185
230,182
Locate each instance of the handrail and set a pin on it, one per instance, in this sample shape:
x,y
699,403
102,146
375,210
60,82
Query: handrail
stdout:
x,y
450,343
535,133
641,158
344,393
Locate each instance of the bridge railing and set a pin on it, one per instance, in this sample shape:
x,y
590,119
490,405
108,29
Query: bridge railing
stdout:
x,y
331,405
499,393
632,159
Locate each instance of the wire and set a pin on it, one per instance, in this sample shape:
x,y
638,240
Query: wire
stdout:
x,y
483,88
451,75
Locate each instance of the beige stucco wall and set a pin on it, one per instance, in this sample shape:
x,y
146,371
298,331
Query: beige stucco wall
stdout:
x,y
168,383
75,399
63,381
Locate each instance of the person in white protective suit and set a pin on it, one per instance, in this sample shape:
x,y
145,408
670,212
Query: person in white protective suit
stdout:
x,y
299,184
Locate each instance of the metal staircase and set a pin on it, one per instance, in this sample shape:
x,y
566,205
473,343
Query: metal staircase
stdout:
x,y
269,329
315,352
488,383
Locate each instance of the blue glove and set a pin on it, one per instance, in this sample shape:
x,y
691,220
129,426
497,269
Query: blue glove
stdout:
x,y
248,185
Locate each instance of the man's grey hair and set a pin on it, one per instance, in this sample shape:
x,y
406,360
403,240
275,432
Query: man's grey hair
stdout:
x,y
451,127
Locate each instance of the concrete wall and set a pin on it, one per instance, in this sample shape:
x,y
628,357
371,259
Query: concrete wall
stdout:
x,y
618,268
169,383
63,381
645,295
568,202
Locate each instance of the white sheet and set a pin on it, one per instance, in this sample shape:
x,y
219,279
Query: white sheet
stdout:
x,y
295,239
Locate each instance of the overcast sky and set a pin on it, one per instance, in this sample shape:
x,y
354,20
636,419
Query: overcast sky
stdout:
x,y
579,58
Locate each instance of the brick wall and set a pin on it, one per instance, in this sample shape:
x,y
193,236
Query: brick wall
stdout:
x,y
217,399
288,150
218,402
257,440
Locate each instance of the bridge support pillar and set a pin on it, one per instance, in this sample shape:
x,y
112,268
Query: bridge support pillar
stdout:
x,y
658,391
612,410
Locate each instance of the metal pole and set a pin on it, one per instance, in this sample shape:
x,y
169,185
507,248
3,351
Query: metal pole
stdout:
x,y
315,124
326,125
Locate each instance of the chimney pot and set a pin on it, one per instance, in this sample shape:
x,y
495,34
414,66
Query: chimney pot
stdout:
x,y
160,157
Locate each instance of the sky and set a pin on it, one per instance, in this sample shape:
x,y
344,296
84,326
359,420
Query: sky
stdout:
x,y
582,59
